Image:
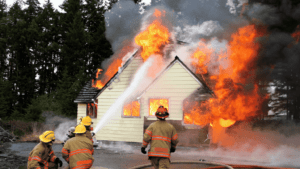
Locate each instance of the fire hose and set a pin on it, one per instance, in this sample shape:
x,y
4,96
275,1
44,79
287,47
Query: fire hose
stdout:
x,y
186,162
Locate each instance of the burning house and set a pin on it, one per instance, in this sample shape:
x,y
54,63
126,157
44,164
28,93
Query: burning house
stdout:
x,y
122,100
173,88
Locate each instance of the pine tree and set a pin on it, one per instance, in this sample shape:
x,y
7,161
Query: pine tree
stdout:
x,y
48,48
98,46
73,56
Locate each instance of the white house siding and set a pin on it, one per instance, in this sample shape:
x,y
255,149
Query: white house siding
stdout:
x,y
119,129
81,111
175,84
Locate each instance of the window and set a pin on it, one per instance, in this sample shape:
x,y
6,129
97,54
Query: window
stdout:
x,y
92,109
132,109
155,103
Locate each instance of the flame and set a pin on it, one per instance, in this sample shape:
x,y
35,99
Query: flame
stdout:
x,y
98,72
112,68
153,38
200,56
132,109
155,103
92,107
226,123
237,94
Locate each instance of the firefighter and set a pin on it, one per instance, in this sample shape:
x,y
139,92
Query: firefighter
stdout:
x,y
163,139
78,151
70,134
87,122
42,155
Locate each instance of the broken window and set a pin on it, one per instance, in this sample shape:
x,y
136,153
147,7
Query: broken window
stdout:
x,y
155,103
92,109
131,109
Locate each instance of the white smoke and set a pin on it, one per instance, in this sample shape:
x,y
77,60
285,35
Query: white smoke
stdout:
x,y
192,33
62,129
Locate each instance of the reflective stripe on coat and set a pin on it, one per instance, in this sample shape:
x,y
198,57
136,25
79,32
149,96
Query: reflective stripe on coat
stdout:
x,y
161,136
40,157
78,152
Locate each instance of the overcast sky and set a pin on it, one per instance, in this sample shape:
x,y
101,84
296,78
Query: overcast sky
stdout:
x,y
55,3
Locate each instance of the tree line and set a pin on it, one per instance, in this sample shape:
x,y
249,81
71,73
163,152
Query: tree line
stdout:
x,y
48,55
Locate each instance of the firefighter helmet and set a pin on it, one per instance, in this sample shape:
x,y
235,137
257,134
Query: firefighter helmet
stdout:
x,y
47,136
86,121
162,113
80,129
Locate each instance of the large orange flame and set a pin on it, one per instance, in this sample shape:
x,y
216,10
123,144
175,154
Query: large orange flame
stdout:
x,y
154,37
237,94
200,57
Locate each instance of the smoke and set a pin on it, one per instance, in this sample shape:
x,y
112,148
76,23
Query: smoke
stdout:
x,y
270,144
117,147
62,129
59,124
122,23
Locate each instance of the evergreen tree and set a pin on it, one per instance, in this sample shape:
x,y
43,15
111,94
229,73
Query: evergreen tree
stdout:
x,y
48,48
4,25
98,46
73,58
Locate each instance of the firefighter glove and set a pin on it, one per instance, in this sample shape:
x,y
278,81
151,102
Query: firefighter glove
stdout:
x,y
58,161
172,149
143,150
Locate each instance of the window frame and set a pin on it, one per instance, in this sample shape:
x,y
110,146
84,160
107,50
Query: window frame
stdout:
x,y
123,116
95,109
157,98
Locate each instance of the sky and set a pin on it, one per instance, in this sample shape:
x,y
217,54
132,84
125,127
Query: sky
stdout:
x,y
56,3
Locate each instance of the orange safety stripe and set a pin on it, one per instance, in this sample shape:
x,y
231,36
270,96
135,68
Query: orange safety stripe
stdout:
x,y
81,151
175,137
67,159
149,132
145,143
84,164
53,158
38,168
160,149
51,152
161,138
36,158
46,164
64,151
159,154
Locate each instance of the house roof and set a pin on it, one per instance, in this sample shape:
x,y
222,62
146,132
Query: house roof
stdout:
x,y
88,93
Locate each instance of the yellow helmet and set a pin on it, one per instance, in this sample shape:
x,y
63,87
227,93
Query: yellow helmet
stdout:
x,y
47,136
80,129
86,121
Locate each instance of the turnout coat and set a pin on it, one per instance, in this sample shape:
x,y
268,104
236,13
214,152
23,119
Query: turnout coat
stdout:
x,y
78,152
162,136
41,157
